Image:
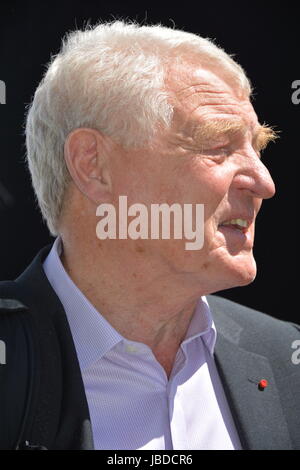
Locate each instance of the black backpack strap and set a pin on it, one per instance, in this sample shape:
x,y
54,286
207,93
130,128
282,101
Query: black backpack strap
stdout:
x,y
17,365
42,397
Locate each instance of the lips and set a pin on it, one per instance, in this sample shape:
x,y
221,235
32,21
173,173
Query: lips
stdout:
x,y
240,223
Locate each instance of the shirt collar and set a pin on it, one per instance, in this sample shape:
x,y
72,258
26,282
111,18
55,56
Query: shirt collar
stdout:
x,y
94,337
202,324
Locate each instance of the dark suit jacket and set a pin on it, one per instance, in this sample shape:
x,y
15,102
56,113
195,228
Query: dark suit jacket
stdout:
x,y
250,346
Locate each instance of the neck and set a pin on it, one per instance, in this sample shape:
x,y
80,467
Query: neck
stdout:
x,y
141,300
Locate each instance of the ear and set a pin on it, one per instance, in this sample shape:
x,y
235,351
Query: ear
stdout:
x,y
86,159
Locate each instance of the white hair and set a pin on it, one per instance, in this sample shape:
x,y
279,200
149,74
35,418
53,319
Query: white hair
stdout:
x,y
109,77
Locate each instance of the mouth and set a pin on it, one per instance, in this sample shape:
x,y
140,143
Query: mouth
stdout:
x,y
241,225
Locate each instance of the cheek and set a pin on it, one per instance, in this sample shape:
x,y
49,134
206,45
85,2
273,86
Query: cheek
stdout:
x,y
211,189
209,185
211,173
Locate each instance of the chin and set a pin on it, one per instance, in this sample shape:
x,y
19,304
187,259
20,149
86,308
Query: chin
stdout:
x,y
243,272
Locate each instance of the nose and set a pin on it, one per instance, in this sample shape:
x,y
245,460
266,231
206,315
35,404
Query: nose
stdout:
x,y
253,176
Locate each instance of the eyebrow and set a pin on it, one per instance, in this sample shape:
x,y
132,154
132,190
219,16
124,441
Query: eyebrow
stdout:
x,y
263,135
216,128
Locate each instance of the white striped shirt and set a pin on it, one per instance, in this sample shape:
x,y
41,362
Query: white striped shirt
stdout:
x,y
132,403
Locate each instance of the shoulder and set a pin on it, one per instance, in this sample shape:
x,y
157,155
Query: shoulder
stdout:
x,y
255,330
10,302
249,317
30,288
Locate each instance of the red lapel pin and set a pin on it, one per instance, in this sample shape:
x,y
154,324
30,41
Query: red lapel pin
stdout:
x,y
263,383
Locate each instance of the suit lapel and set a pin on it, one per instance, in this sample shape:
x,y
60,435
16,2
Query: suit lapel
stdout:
x,y
258,414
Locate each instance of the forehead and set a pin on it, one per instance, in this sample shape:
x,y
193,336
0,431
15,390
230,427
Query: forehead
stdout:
x,y
200,94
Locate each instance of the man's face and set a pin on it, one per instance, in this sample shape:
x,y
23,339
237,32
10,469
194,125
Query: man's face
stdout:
x,y
209,156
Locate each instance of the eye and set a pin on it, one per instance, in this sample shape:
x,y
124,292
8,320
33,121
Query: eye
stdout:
x,y
215,152
218,153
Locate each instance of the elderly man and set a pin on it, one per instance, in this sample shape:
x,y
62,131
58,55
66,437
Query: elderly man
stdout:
x,y
125,351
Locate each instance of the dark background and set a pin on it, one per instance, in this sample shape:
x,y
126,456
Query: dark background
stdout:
x,y
263,36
